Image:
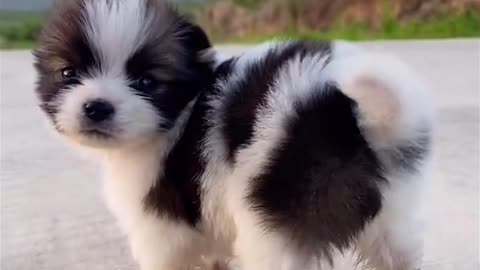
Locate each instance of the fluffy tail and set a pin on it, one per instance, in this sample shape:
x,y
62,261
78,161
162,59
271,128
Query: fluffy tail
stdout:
x,y
394,110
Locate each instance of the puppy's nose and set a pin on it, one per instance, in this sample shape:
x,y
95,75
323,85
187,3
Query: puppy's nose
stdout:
x,y
98,110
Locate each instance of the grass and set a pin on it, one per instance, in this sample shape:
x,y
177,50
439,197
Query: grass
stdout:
x,y
465,25
17,44
18,30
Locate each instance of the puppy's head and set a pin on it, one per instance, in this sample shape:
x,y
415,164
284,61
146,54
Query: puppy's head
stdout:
x,y
115,72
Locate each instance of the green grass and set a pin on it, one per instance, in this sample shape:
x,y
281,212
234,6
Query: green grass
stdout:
x,y
16,45
465,25
247,3
18,30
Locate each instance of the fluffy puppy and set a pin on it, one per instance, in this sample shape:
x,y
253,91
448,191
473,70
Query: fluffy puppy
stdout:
x,y
119,77
280,158
313,149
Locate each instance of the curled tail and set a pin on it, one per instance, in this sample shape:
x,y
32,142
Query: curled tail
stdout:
x,y
394,111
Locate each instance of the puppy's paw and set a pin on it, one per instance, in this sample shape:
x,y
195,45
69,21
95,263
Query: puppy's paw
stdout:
x,y
212,263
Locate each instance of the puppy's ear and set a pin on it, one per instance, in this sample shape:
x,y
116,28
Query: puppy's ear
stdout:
x,y
197,47
196,41
195,38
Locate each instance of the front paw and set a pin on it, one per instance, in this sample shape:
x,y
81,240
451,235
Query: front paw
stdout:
x,y
210,263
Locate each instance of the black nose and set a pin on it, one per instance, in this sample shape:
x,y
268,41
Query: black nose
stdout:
x,y
98,110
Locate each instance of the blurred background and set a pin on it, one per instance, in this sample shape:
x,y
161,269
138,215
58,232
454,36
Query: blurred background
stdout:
x,y
250,21
52,212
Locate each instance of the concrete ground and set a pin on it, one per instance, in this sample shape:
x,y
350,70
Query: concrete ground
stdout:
x,y
53,216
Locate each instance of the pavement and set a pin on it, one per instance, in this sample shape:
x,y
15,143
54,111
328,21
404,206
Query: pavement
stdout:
x,y
53,216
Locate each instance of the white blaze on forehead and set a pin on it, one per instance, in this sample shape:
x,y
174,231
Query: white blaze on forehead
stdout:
x,y
117,29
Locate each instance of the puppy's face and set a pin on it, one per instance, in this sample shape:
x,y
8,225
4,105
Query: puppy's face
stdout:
x,y
115,72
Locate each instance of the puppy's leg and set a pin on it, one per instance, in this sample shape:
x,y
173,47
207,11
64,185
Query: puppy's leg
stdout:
x,y
394,239
162,244
259,248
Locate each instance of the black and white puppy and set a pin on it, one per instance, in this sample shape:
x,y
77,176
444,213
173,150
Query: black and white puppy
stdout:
x,y
281,158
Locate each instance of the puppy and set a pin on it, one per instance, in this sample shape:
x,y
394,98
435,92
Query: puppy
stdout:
x,y
313,149
120,77
278,158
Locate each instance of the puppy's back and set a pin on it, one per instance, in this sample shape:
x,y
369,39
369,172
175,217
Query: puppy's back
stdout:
x,y
318,129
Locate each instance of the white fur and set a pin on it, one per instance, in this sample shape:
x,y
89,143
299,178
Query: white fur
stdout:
x,y
400,86
219,218
271,251
156,242
257,53
229,228
213,55
117,29
134,155
400,103
393,241
134,120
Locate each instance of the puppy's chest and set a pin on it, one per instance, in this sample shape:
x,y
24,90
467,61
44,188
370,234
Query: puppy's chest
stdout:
x,y
149,209
145,186
128,179
197,195
215,204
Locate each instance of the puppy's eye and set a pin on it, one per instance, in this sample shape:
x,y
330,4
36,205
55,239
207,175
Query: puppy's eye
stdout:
x,y
69,73
144,83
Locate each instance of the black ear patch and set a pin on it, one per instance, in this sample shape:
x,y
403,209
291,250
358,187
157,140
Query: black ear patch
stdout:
x,y
195,38
172,59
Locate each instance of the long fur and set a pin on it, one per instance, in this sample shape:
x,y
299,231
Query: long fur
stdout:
x,y
276,159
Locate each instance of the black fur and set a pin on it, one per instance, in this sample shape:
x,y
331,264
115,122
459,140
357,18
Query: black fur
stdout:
x,y
321,187
225,69
177,193
62,35
176,84
249,93
171,58
321,184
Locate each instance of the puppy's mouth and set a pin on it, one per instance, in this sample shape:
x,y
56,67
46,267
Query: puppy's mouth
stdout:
x,y
98,133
